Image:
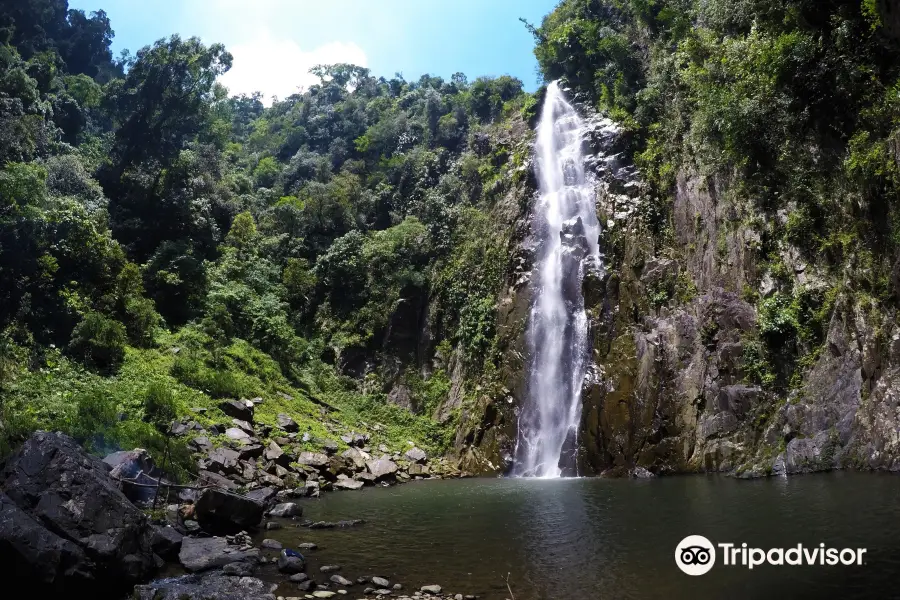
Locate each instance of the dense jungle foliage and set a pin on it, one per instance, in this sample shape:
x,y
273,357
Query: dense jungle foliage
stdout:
x,y
163,245
790,108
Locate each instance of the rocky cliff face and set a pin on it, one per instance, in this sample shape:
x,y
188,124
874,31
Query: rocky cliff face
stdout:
x,y
680,380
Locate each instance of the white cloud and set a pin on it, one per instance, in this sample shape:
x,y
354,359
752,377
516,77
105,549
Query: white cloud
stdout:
x,y
280,67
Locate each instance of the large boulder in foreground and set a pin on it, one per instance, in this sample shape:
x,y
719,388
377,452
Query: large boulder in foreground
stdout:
x,y
28,551
71,495
199,587
218,511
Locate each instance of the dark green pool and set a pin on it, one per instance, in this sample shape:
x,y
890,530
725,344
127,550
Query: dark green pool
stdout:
x,y
598,538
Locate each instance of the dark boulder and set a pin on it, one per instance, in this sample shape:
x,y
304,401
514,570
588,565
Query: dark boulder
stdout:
x,y
237,409
28,552
71,494
222,512
286,423
166,542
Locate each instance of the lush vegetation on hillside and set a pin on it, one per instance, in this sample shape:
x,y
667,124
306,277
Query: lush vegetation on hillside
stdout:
x,y
164,244
794,104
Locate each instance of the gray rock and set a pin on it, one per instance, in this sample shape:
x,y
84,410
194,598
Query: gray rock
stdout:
x,y
237,409
417,470
273,525
313,459
40,557
330,446
250,451
307,546
381,582
262,495
238,569
416,455
431,589
244,426
348,484
197,587
165,541
70,493
286,510
382,468
271,544
291,564
218,511
224,461
236,434
286,423
330,568
202,554
340,580
298,577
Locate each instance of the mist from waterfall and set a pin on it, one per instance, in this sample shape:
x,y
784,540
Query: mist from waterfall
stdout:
x,y
567,234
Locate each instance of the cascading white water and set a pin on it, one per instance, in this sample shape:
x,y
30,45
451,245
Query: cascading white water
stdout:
x,y
567,232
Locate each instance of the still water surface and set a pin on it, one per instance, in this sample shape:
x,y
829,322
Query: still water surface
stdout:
x,y
588,539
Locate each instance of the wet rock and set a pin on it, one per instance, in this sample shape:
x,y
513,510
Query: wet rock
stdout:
x,y
70,493
381,582
291,564
415,455
165,541
330,447
222,512
286,510
298,577
323,594
271,544
262,495
347,483
431,589
311,489
286,423
196,587
330,568
202,554
307,546
237,409
340,580
305,586
238,569
272,526
382,468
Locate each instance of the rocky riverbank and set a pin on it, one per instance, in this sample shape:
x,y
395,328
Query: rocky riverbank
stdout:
x,y
236,453
67,524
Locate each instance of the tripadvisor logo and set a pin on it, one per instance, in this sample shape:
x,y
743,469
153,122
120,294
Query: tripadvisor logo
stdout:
x,y
696,555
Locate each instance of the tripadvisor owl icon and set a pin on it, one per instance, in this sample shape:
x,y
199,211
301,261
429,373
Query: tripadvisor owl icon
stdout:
x,y
695,555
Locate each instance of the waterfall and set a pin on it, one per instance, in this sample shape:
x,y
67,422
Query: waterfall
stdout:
x,y
567,234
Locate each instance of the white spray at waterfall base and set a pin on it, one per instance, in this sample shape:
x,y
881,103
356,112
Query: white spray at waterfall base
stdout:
x,y
567,230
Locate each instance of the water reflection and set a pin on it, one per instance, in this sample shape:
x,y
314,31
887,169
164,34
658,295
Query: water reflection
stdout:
x,y
583,539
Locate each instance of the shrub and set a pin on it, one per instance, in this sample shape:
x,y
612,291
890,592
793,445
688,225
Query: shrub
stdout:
x,y
159,406
94,420
99,342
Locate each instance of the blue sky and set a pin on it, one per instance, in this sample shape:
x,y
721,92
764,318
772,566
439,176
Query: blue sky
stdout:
x,y
275,42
